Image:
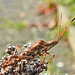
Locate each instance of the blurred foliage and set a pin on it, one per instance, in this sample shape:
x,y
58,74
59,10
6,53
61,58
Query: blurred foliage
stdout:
x,y
44,1
50,2
51,33
6,23
70,4
2,54
52,69
20,25
65,2
71,9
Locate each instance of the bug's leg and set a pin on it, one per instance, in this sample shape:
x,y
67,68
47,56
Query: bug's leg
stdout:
x,y
51,57
59,27
5,64
18,59
43,58
16,49
65,29
25,57
43,55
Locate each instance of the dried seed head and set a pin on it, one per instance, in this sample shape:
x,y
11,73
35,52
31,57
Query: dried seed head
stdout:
x,y
29,45
13,48
1,61
25,45
23,66
8,45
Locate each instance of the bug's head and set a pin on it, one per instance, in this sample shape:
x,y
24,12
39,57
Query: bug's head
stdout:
x,y
50,44
53,43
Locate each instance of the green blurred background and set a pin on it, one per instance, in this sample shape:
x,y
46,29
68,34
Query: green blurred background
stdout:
x,y
23,21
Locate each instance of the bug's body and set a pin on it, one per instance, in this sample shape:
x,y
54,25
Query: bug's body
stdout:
x,y
40,48
36,50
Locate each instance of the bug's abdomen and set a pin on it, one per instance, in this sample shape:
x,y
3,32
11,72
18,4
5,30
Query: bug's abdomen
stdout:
x,y
37,49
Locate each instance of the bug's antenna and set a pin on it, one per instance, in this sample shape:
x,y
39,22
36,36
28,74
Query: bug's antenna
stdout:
x,y
65,29
59,27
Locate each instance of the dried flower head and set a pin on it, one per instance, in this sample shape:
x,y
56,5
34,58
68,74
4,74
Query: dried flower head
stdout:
x,y
22,67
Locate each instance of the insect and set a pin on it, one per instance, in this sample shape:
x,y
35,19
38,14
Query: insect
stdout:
x,y
40,48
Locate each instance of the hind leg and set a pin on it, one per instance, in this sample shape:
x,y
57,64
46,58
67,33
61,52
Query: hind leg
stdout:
x,y
43,58
51,57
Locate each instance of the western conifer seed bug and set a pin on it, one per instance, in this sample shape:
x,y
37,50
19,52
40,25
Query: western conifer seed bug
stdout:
x,y
40,48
